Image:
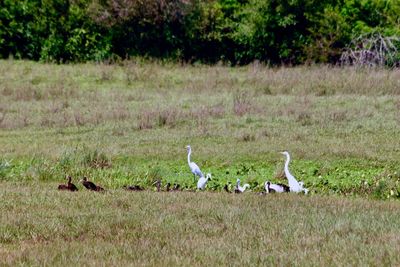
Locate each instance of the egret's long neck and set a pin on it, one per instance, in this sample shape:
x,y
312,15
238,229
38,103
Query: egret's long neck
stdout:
x,y
287,164
189,152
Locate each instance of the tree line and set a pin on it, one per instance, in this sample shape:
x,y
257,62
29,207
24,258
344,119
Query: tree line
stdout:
x,y
209,31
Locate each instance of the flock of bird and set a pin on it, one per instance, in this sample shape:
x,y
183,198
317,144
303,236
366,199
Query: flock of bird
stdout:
x,y
294,185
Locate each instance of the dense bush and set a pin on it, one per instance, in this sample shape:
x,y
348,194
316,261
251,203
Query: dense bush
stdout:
x,y
236,31
53,30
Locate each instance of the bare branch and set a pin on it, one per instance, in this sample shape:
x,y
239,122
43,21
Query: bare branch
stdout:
x,y
372,50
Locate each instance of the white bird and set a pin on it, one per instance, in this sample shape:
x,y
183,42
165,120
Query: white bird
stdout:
x,y
201,183
240,189
302,186
294,185
278,188
193,166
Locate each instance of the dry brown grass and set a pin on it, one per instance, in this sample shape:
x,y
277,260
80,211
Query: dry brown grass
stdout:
x,y
56,96
41,226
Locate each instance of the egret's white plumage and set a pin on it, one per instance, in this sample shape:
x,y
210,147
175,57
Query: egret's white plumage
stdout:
x,y
302,186
201,183
294,185
193,166
241,189
278,188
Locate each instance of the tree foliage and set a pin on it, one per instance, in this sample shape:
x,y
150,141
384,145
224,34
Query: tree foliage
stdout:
x,y
235,31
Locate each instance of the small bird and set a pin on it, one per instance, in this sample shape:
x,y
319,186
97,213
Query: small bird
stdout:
x,y
174,188
62,187
134,188
91,186
278,188
240,189
226,188
294,185
69,186
193,166
158,185
201,183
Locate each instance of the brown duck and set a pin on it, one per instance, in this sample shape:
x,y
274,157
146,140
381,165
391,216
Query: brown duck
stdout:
x,y
90,185
133,188
69,186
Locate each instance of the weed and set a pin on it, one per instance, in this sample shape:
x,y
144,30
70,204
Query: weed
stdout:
x,y
145,120
241,103
247,137
95,159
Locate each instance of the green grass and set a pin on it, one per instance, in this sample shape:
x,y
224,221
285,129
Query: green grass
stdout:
x,y
42,226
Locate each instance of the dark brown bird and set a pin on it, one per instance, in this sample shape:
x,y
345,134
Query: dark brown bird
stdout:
x,y
69,186
226,188
134,188
91,186
176,187
158,185
62,187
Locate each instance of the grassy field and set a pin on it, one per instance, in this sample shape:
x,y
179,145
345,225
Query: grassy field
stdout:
x,y
129,123
41,226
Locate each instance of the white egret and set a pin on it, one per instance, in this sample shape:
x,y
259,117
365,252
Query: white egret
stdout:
x,y
294,185
240,189
278,188
193,166
201,183
302,187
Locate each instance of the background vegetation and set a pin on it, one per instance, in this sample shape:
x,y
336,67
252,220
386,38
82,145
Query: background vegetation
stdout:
x,y
232,31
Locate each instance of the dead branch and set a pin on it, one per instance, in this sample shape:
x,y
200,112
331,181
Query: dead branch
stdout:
x,y
372,50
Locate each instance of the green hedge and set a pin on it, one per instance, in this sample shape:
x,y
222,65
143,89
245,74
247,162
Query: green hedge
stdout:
x,y
235,31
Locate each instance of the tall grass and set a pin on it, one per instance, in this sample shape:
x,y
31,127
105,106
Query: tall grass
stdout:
x,y
42,226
